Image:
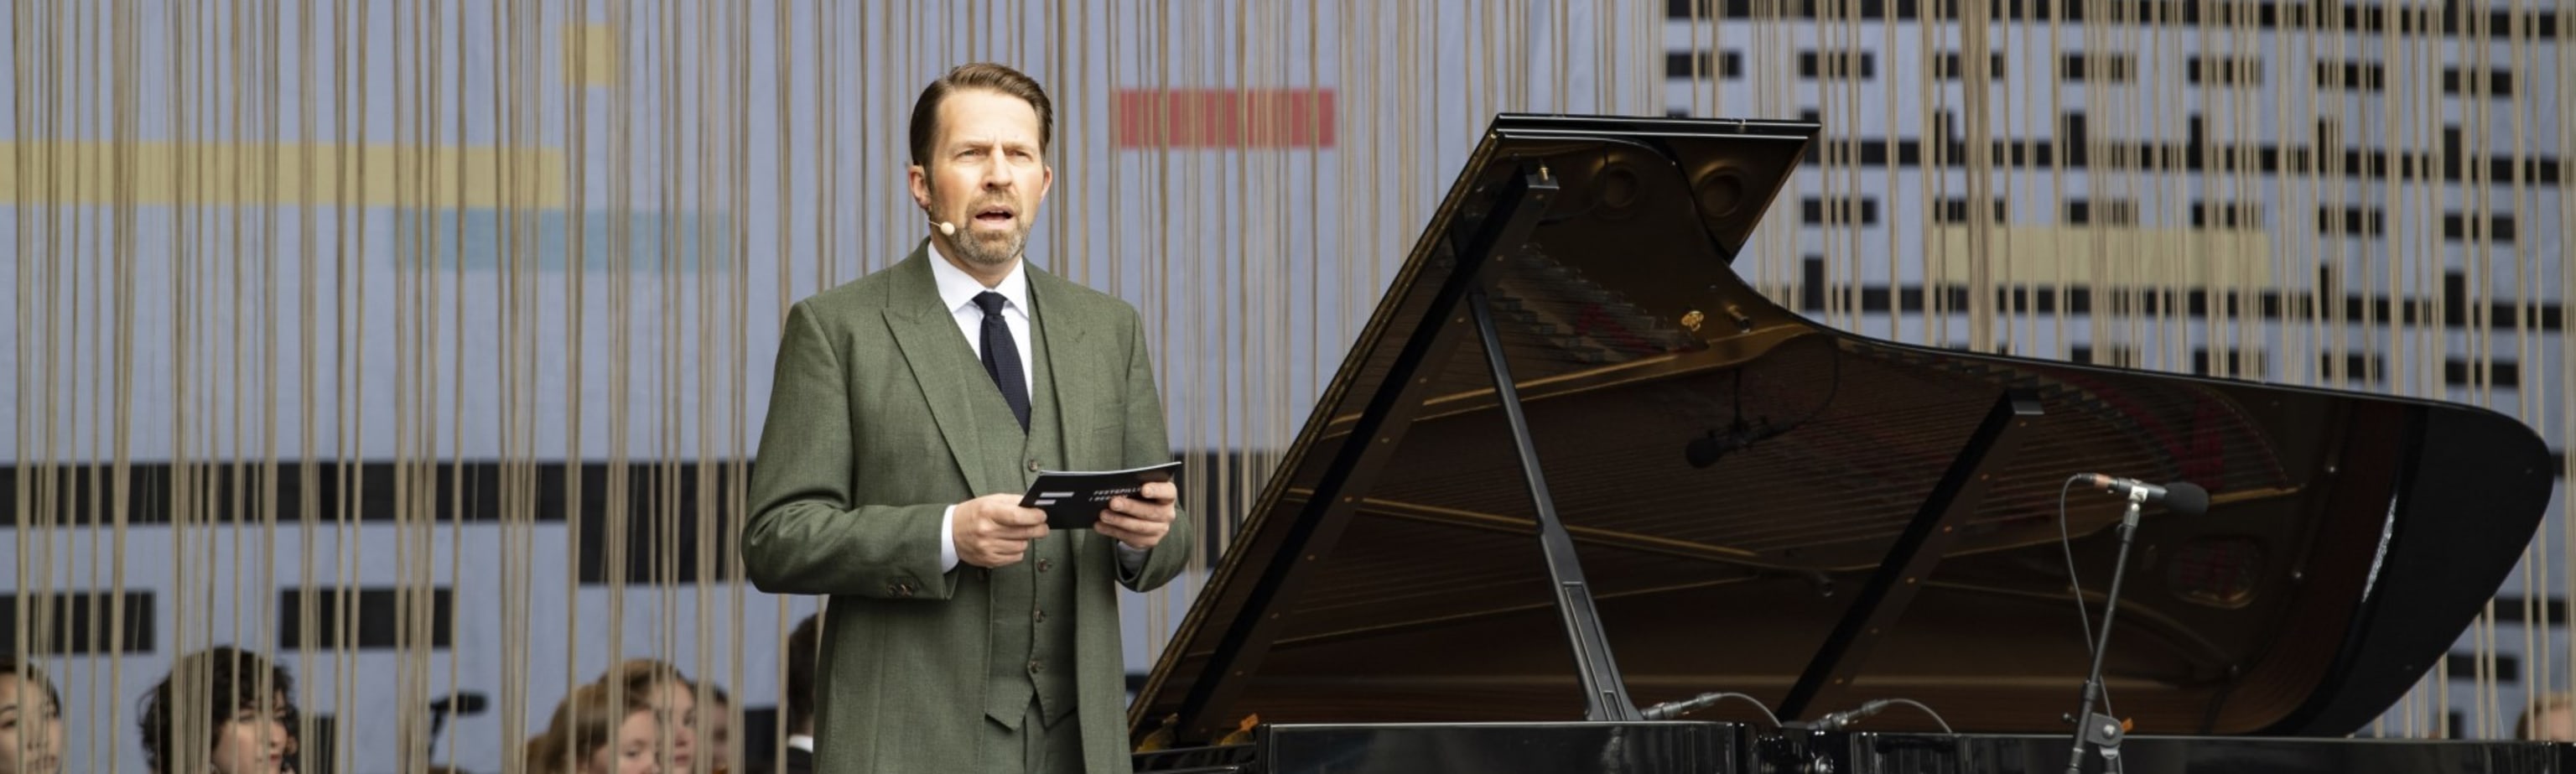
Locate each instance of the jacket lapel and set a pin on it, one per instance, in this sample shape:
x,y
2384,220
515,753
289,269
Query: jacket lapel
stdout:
x,y
1073,372
942,363
1075,368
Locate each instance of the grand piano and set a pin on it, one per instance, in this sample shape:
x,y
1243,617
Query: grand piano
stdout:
x,y
1577,476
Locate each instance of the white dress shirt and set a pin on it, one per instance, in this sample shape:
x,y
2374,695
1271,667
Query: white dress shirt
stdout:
x,y
957,290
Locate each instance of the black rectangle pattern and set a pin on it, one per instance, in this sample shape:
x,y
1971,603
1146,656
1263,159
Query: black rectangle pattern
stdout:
x,y
1948,68
2459,227
1955,210
1727,65
1848,209
380,613
2353,76
2352,221
2226,215
1837,65
2456,372
2498,82
2508,667
78,622
2456,310
2214,71
472,492
2109,212
2078,66
2451,17
2239,363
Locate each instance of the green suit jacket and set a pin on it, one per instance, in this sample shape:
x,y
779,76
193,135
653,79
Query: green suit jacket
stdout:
x,y
871,435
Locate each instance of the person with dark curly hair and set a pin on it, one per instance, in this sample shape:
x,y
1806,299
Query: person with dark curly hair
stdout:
x,y
222,710
31,720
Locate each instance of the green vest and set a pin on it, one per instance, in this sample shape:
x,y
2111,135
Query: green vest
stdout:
x,y
1031,628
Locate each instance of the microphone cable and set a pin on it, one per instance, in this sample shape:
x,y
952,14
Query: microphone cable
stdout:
x,y
1834,721
1674,709
2066,548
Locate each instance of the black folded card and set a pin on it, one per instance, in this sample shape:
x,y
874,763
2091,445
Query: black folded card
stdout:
x,y
1074,499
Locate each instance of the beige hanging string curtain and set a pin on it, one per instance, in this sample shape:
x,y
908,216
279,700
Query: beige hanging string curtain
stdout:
x,y
422,346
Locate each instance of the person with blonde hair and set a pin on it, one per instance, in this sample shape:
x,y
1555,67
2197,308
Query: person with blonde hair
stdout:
x,y
668,693
597,730
2550,718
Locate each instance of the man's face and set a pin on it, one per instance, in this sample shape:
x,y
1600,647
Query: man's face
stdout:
x,y
986,174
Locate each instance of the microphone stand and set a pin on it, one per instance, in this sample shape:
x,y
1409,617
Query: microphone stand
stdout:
x,y
2100,730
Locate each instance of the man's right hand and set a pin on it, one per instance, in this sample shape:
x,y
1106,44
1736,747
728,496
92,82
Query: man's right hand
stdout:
x,y
993,530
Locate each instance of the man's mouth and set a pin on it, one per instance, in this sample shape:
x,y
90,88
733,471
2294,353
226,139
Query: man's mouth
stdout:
x,y
994,215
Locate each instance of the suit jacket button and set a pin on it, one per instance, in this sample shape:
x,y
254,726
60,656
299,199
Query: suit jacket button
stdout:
x,y
1036,666
1033,466
1045,565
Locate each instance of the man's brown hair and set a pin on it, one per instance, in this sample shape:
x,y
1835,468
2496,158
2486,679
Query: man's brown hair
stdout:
x,y
979,75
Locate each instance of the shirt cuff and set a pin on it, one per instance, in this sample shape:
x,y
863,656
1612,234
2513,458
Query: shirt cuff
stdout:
x,y
1130,558
948,539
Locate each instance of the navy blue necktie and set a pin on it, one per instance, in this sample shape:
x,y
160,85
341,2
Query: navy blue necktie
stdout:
x,y
1002,357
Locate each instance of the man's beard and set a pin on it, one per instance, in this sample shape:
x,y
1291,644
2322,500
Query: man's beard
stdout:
x,y
997,253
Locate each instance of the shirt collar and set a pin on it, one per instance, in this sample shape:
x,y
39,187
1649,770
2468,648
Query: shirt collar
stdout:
x,y
801,741
957,289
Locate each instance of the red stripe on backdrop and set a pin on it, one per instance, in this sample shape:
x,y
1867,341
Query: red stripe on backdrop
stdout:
x,y
1225,118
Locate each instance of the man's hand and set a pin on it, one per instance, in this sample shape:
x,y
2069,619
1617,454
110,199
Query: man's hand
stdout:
x,y
1143,520
993,530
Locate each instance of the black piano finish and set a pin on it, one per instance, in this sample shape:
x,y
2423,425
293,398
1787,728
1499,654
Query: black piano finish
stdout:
x,y
1677,747
1761,503
1874,753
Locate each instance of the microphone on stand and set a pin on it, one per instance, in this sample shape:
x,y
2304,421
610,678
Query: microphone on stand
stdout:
x,y
2180,497
459,704
2096,730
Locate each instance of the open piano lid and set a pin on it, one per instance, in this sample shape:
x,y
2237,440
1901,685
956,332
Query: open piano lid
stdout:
x,y
1390,573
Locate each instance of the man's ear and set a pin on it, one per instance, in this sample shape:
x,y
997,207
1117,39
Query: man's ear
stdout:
x,y
919,181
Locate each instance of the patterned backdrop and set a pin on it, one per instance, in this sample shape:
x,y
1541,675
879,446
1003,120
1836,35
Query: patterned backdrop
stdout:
x,y
424,344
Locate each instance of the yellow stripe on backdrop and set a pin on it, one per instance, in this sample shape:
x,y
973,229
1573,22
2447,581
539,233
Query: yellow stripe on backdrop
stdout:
x,y
323,310
201,174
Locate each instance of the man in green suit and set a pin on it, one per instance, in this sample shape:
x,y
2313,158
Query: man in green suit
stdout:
x,y
911,410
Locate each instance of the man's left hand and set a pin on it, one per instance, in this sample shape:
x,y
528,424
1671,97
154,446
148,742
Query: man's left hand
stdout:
x,y
1143,520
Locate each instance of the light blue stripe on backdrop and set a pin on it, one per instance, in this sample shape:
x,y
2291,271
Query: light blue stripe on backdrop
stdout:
x,y
473,239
